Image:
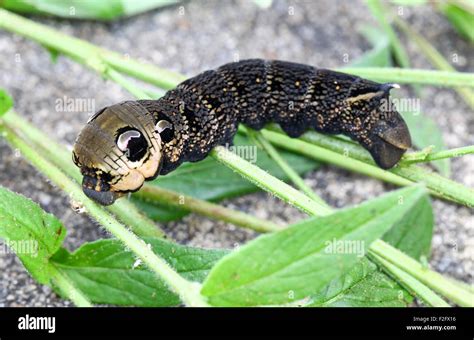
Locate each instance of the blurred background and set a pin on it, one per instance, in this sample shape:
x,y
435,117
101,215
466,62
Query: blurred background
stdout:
x,y
190,37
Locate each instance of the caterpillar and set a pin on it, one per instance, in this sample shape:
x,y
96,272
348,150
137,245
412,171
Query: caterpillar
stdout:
x,y
125,144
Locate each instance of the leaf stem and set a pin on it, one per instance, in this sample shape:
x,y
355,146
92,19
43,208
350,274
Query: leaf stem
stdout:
x,y
325,155
67,287
269,183
423,156
428,277
413,76
204,208
122,81
410,283
287,169
348,155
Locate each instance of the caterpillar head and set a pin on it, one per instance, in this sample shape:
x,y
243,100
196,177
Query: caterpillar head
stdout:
x,y
118,149
387,136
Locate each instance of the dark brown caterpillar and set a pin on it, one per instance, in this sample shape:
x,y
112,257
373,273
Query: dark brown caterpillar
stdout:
x,y
127,143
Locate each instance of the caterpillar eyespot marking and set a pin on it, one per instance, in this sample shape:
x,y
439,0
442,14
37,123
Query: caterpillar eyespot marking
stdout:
x,y
125,144
163,125
125,138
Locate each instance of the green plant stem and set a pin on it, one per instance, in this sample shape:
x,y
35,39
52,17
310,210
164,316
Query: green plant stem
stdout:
x,y
410,283
328,156
148,73
435,58
122,81
465,5
204,208
423,156
269,183
187,291
67,288
82,51
428,277
413,76
287,169
349,155
438,185
123,209
462,285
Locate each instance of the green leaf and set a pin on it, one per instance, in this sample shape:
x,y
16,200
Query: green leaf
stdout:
x,y
379,55
425,132
6,102
85,9
108,273
367,286
209,180
33,234
414,232
409,2
134,7
460,18
294,263
362,286
71,9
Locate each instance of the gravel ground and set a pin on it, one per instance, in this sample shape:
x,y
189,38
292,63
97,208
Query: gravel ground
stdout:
x,y
211,33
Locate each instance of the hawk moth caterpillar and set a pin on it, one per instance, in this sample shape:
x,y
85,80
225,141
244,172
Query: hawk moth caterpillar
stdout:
x,y
127,143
